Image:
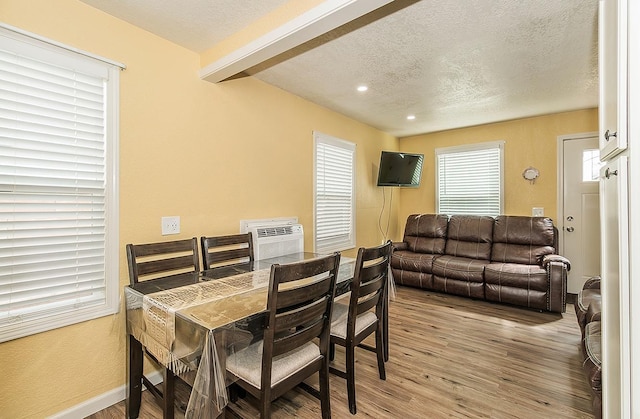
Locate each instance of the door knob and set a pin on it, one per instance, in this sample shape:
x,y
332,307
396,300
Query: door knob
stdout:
x,y
608,173
570,218
570,229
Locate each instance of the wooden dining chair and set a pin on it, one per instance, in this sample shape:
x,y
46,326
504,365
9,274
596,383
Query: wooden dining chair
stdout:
x,y
296,338
151,261
154,260
224,250
364,315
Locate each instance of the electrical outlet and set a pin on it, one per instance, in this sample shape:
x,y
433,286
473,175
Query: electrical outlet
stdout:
x,y
170,225
537,212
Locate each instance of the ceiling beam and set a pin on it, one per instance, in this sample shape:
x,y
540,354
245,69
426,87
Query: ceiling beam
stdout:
x,y
309,25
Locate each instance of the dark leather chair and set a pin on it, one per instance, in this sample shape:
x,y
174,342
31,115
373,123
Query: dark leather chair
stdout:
x,y
588,312
353,323
225,250
590,294
299,312
148,262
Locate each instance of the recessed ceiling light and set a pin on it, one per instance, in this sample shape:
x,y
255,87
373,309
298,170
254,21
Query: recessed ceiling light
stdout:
x,y
411,117
362,88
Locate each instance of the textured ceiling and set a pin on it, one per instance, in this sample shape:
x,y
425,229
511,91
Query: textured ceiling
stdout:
x,y
451,63
194,24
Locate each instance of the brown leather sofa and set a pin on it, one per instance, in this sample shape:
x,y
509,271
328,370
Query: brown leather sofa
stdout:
x,y
508,259
588,311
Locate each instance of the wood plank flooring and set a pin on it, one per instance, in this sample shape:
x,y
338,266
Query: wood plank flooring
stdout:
x,y
451,357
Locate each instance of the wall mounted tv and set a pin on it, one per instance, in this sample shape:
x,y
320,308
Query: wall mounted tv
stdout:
x,y
400,169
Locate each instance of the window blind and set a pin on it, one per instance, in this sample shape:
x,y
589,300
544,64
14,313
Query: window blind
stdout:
x,y
56,188
334,193
469,179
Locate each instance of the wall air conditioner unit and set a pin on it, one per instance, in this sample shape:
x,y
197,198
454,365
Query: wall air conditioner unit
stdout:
x,y
274,237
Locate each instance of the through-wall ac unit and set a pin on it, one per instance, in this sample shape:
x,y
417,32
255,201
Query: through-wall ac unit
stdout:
x,y
274,237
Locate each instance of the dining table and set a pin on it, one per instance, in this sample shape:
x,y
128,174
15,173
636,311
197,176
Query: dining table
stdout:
x,y
191,322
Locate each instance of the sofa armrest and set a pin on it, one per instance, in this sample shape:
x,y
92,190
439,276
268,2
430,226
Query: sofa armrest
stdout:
x,y
594,312
399,246
546,259
592,283
557,274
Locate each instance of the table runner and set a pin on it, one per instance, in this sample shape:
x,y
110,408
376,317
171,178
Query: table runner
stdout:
x,y
159,311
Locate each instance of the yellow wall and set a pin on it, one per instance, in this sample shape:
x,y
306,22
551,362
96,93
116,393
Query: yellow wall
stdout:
x,y
215,154
211,153
528,142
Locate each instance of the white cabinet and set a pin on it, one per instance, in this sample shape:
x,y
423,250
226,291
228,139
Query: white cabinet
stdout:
x,y
615,288
619,41
613,77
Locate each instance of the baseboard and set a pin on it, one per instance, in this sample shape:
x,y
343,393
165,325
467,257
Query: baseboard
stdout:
x,y
98,403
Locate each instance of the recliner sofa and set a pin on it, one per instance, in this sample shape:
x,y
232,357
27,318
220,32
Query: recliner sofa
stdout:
x,y
507,259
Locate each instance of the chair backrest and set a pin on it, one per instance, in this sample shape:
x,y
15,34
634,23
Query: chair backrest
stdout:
x,y
369,284
226,250
299,304
154,260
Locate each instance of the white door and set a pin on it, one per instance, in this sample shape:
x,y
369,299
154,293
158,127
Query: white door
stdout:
x,y
580,224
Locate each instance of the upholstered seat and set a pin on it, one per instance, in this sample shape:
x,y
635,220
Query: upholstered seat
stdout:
x,y
340,318
247,363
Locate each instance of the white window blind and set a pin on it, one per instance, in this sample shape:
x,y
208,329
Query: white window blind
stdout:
x,y
334,193
469,179
58,186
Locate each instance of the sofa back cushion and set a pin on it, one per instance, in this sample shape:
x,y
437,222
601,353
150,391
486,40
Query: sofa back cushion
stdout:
x,y
521,239
426,233
470,236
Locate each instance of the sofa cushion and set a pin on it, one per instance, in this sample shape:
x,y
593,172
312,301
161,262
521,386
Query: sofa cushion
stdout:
x,y
411,261
426,233
469,236
464,269
510,283
413,279
514,275
520,239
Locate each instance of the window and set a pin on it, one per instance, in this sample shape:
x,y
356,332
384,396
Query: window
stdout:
x,y
591,165
58,186
334,199
469,179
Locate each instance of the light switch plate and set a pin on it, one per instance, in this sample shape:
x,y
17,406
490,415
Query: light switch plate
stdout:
x,y
537,212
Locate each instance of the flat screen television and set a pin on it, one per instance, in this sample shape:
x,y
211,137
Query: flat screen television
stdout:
x,y
400,169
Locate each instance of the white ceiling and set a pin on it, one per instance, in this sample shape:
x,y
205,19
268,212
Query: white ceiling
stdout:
x,y
451,63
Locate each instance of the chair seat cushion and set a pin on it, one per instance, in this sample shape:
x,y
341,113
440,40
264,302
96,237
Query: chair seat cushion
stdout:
x,y
340,316
247,363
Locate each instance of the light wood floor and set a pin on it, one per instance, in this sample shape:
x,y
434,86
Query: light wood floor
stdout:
x,y
452,357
